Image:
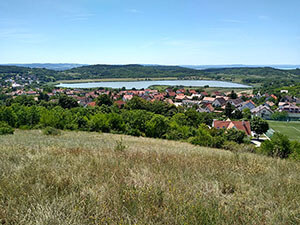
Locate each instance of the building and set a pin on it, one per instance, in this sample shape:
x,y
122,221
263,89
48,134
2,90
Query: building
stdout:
x,y
228,124
219,102
262,111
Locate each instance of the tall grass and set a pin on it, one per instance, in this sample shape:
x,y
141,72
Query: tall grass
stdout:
x,y
80,178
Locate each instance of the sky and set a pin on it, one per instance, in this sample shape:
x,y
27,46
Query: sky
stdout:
x,y
177,32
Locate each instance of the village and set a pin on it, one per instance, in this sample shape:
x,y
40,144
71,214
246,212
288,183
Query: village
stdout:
x,y
266,106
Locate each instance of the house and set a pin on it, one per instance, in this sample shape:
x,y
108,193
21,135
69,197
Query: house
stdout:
x,y
292,110
191,91
208,100
228,124
171,94
92,104
120,103
262,111
127,97
219,102
169,101
180,97
190,103
269,103
247,105
287,99
204,94
236,102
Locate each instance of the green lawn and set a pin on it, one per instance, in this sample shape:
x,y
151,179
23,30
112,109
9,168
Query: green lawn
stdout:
x,y
291,129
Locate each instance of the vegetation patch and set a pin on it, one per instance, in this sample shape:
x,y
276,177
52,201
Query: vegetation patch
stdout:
x,y
51,131
153,182
5,129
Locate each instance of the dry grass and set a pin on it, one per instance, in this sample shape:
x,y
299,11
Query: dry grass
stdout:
x,y
80,178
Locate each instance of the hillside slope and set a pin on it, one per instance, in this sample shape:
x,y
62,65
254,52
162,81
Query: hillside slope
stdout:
x,y
86,178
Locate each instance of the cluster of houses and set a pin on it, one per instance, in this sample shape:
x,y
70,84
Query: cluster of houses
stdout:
x,y
214,102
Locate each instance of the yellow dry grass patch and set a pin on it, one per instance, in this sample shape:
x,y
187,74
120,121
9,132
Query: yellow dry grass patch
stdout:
x,y
79,178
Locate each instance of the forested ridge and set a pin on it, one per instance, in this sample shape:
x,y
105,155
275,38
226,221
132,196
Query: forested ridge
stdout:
x,y
244,75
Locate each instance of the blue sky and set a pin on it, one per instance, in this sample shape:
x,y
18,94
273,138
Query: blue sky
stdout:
x,y
190,32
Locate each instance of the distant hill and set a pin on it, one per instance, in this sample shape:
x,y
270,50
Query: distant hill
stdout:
x,y
246,75
203,67
51,66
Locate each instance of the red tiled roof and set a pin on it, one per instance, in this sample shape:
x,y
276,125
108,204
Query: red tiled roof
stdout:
x,y
240,125
92,104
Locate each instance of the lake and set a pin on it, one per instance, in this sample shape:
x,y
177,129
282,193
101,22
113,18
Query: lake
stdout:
x,y
147,84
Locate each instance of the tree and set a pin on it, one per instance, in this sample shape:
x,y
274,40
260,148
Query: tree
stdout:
x,y
157,126
235,135
281,116
247,114
104,100
232,95
259,126
228,110
67,102
237,114
137,103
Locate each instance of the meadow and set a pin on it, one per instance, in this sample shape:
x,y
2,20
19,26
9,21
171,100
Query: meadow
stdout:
x,y
291,129
98,178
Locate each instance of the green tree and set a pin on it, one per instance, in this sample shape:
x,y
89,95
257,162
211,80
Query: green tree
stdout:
x,y
259,126
67,102
232,95
280,116
235,135
157,127
228,110
247,114
104,100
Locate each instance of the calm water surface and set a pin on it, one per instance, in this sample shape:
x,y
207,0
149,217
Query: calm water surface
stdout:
x,y
146,84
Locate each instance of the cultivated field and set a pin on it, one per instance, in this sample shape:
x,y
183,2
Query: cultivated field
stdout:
x,y
90,178
291,129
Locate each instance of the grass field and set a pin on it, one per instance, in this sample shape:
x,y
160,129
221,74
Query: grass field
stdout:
x,y
291,129
91,178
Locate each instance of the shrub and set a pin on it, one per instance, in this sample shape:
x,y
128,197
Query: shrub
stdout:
x,y
235,147
157,126
51,131
203,138
235,135
5,129
295,145
278,146
120,146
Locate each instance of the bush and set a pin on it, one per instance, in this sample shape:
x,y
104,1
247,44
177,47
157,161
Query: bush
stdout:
x,y
295,145
278,146
235,147
120,146
51,131
5,129
203,138
235,135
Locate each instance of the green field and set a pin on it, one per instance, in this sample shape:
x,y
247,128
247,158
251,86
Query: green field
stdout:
x,y
291,129
92,178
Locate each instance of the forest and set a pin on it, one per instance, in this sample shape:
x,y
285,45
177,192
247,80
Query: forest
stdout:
x,y
245,75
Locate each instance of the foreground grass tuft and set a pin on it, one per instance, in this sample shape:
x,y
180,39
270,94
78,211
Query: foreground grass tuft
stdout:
x,y
90,178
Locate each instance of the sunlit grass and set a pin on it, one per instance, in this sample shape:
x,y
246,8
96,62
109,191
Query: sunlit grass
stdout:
x,y
84,178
